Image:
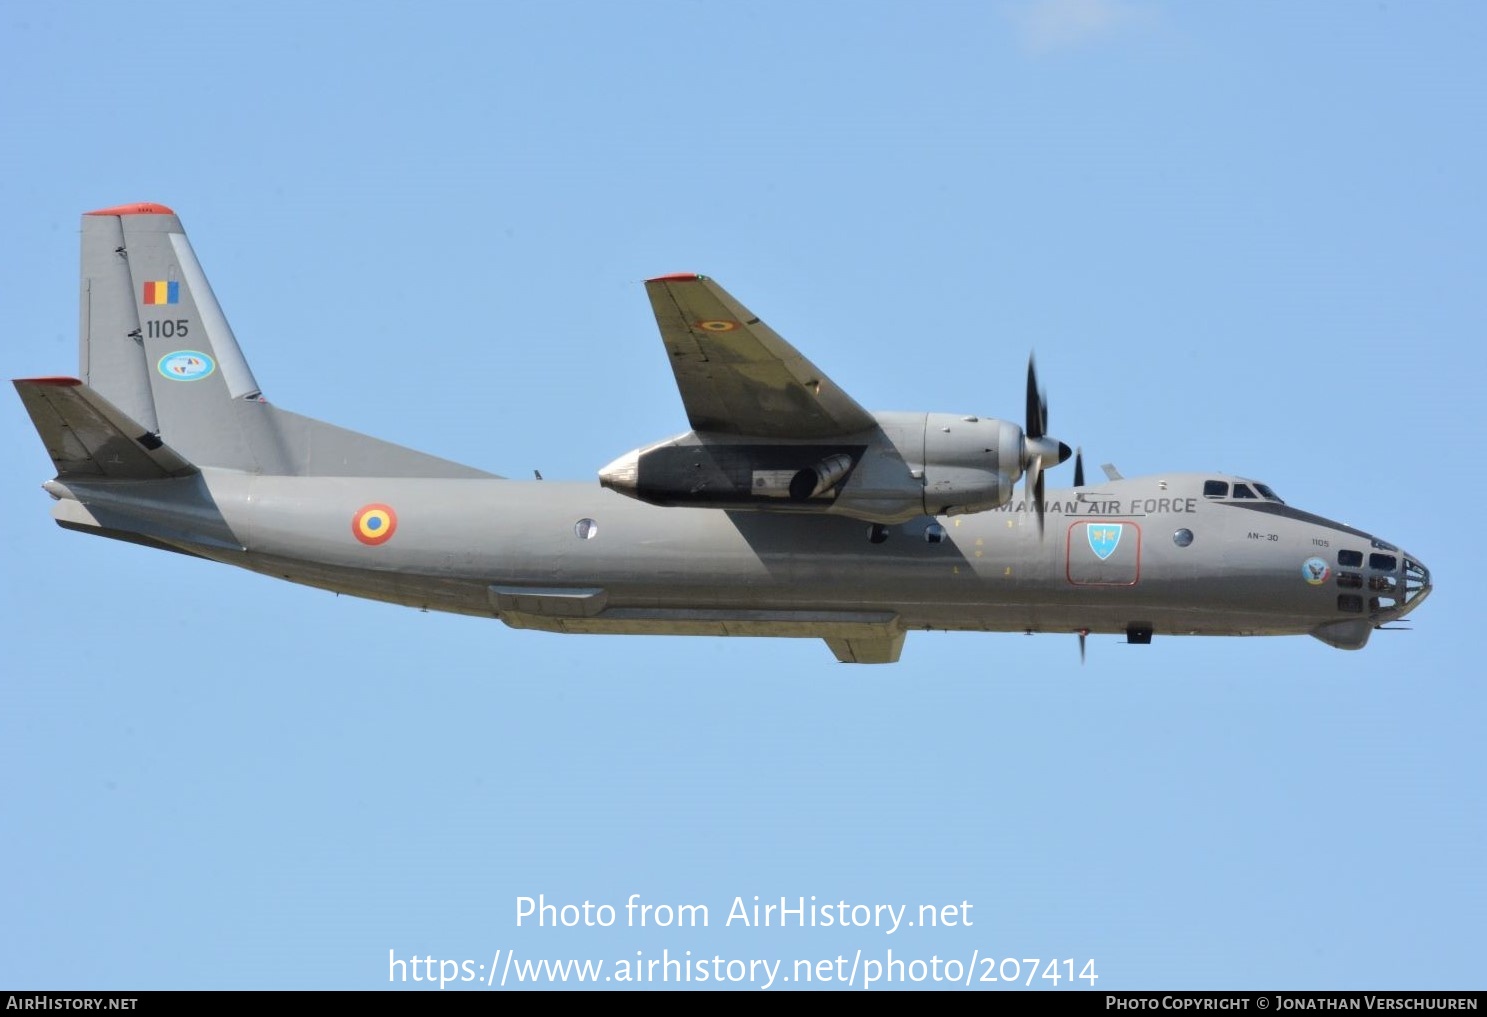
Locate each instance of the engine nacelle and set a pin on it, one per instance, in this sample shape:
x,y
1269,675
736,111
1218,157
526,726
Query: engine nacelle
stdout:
x,y
971,464
698,470
915,464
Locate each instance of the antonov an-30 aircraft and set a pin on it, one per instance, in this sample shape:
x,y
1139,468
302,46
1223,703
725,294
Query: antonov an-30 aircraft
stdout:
x,y
787,509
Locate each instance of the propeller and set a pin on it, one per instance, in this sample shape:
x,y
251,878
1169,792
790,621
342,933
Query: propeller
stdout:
x,y
1039,451
1079,467
1082,634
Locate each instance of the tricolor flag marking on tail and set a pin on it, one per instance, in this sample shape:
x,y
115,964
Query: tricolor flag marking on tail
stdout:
x,y
163,291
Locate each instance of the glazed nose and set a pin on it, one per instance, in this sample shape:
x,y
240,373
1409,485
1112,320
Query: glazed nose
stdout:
x,y
1414,579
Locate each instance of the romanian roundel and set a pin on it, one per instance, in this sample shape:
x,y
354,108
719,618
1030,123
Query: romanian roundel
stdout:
x,y
374,524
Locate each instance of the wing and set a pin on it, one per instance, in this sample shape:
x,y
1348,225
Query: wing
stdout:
x,y
737,376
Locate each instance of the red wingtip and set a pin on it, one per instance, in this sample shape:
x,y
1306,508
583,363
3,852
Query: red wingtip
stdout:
x,y
141,208
678,277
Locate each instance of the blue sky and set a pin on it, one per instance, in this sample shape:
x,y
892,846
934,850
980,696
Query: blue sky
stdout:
x,y
1241,237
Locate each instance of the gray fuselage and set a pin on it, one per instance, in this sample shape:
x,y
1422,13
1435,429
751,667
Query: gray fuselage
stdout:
x,y
1136,556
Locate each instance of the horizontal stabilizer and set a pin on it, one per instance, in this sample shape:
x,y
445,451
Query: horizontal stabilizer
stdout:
x,y
88,436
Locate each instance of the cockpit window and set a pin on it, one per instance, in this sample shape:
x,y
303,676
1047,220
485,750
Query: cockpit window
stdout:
x,y
1215,489
1267,493
1243,491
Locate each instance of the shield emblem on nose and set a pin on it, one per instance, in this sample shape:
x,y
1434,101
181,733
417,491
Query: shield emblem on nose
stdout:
x,y
1104,538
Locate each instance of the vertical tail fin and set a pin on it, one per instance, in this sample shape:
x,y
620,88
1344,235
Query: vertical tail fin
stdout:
x,y
154,341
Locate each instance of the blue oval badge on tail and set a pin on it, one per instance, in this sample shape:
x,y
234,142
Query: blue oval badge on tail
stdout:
x,y
186,365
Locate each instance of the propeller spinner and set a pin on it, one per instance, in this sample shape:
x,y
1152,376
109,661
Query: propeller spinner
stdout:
x,y
1039,452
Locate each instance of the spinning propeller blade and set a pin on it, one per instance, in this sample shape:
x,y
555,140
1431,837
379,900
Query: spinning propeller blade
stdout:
x,y
1039,451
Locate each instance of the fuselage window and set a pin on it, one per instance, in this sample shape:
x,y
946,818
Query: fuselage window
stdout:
x,y
934,533
877,533
1267,493
1383,584
1350,602
1350,558
1183,537
1243,491
1215,489
1350,580
1386,562
586,529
